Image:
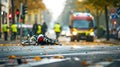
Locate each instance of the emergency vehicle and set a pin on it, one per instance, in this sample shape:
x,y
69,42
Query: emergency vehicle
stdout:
x,y
82,26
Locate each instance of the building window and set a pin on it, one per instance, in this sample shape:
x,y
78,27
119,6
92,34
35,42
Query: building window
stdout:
x,y
29,18
6,0
35,17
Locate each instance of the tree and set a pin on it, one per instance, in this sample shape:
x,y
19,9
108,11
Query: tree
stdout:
x,y
97,7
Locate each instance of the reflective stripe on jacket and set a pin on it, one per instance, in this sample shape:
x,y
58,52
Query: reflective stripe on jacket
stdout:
x,y
57,28
5,28
14,28
39,29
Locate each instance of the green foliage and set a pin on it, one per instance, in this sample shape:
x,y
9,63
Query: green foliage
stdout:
x,y
101,31
96,5
116,3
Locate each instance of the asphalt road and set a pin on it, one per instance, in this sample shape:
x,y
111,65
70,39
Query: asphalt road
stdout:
x,y
73,55
6,51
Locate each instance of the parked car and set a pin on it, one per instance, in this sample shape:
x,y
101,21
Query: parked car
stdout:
x,y
65,31
118,32
24,28
50,33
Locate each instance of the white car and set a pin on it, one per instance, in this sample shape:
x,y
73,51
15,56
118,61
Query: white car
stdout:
x,y
51,34
65,31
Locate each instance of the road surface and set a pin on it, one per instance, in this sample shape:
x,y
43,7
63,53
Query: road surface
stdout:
x,y
74,56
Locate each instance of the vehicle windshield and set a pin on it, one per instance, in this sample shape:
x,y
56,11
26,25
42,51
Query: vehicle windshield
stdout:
x,y
82,24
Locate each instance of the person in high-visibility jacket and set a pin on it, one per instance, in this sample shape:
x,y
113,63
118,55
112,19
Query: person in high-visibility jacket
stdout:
x,y
57,29
39,27
14,31
5,31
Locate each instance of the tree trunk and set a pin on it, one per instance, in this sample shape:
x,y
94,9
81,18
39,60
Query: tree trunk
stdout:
x,y
97,22
107,24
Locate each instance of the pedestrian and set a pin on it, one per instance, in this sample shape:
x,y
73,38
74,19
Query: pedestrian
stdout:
x,y
44,28
39,29
57,29
34,29
5,31
13,31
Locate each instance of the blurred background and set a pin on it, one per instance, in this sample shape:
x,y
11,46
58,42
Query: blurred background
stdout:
x,y
26,12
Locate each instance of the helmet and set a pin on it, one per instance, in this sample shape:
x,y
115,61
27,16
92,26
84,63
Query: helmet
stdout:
x,y
40,38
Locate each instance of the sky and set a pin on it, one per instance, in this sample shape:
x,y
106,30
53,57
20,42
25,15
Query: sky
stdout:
x,y
55,7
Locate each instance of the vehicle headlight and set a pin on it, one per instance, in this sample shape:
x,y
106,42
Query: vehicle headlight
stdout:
x,y
74,33
63,33
92,33
67,34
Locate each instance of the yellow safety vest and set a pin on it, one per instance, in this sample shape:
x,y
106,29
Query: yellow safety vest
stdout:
x,y
5,28
57,28
14,28
39,29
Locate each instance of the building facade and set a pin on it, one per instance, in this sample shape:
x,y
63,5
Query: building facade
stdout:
x,y
38,16
4,12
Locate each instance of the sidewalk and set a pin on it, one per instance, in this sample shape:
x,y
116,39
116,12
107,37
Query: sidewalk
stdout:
x,y
9,42
111,41
98,42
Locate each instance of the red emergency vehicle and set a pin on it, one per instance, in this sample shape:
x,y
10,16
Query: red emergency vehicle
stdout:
x,y
82,26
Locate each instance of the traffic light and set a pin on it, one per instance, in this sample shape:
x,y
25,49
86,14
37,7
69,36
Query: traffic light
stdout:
x,y
114,22
17,12
10,16
24,9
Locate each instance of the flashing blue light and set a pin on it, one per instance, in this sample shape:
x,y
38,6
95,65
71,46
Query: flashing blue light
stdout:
x,y
83,14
